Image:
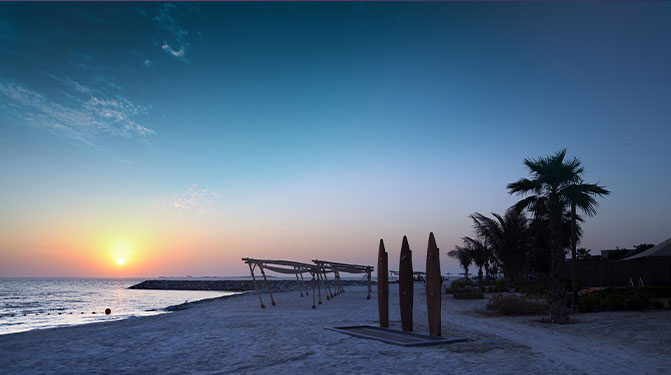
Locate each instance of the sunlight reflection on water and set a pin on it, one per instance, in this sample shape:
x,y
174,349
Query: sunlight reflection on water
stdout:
x,y
27,304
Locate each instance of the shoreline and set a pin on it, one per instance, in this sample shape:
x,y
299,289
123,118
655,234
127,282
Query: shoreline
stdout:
x,y
276,285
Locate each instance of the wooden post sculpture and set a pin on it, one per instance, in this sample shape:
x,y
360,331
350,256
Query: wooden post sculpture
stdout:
x,y
433,285
383,286
405,285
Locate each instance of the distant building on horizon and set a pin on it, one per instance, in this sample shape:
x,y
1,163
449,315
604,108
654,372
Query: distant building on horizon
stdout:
x,y
662,250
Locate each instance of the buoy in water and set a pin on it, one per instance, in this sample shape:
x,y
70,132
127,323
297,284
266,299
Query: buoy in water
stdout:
x,y
108,311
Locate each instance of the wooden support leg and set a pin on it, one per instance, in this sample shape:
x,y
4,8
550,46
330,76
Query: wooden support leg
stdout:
x,y
319,287
328,287
368,285
342,289
313,292
304,287
298,283
336,285
267,285
256,287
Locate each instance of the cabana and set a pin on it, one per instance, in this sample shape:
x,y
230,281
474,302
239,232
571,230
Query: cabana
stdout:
x,y
337,268
286,267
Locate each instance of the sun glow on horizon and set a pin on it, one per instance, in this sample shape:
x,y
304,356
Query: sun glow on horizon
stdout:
x,y
121,252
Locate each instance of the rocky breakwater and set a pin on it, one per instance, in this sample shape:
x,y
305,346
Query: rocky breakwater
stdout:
x,y
234,285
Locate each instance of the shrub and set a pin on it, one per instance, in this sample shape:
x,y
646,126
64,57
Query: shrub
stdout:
x,y
516,305
532,288
657,304
635,303
500,285
472,293
459,285
589,302
612,302
614,299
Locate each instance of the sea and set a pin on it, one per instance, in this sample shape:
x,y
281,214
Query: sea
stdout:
x,y
38,303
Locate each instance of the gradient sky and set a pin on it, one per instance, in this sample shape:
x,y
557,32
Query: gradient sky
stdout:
x,y
183,136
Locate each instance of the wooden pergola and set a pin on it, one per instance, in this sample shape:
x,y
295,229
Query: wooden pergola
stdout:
x,y
337,268
318,271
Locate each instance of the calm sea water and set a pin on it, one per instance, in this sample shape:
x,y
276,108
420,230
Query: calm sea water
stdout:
x,y
27,304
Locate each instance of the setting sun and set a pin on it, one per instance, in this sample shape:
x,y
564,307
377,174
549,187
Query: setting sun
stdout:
x,y
121,251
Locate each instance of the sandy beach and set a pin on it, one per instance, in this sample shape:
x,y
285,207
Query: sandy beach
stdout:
x,y
233,335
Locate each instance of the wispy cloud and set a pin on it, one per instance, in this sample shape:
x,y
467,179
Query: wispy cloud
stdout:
x,y
85,117
175,36
194,199
179,53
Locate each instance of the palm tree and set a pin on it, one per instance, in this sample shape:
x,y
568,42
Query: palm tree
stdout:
x,y
480,254
463,255
556,184
508,238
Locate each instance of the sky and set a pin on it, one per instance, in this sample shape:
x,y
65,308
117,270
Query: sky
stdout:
x,y
180,137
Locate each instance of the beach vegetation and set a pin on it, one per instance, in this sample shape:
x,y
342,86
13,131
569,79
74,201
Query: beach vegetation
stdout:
x,y
463,256
465,289
459,285
498,286
469,293
532,288
507,240
517,305
618,299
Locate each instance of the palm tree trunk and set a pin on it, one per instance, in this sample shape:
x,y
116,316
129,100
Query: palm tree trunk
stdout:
x,y
558,313
573,258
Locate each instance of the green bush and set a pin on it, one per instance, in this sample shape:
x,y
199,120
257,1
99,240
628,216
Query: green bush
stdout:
x,y
635,303
473,293
615,299
589,303
532,288
459,285
516,305
657,304
500,285
612,302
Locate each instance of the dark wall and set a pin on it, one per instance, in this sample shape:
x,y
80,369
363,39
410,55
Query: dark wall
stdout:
x,y
654,271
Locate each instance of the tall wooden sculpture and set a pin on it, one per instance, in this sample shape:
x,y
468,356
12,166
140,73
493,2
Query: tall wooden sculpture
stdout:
x,y
433,285
383,285
405,285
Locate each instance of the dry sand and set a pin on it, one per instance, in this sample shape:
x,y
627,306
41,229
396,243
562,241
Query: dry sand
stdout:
x,y
235,336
